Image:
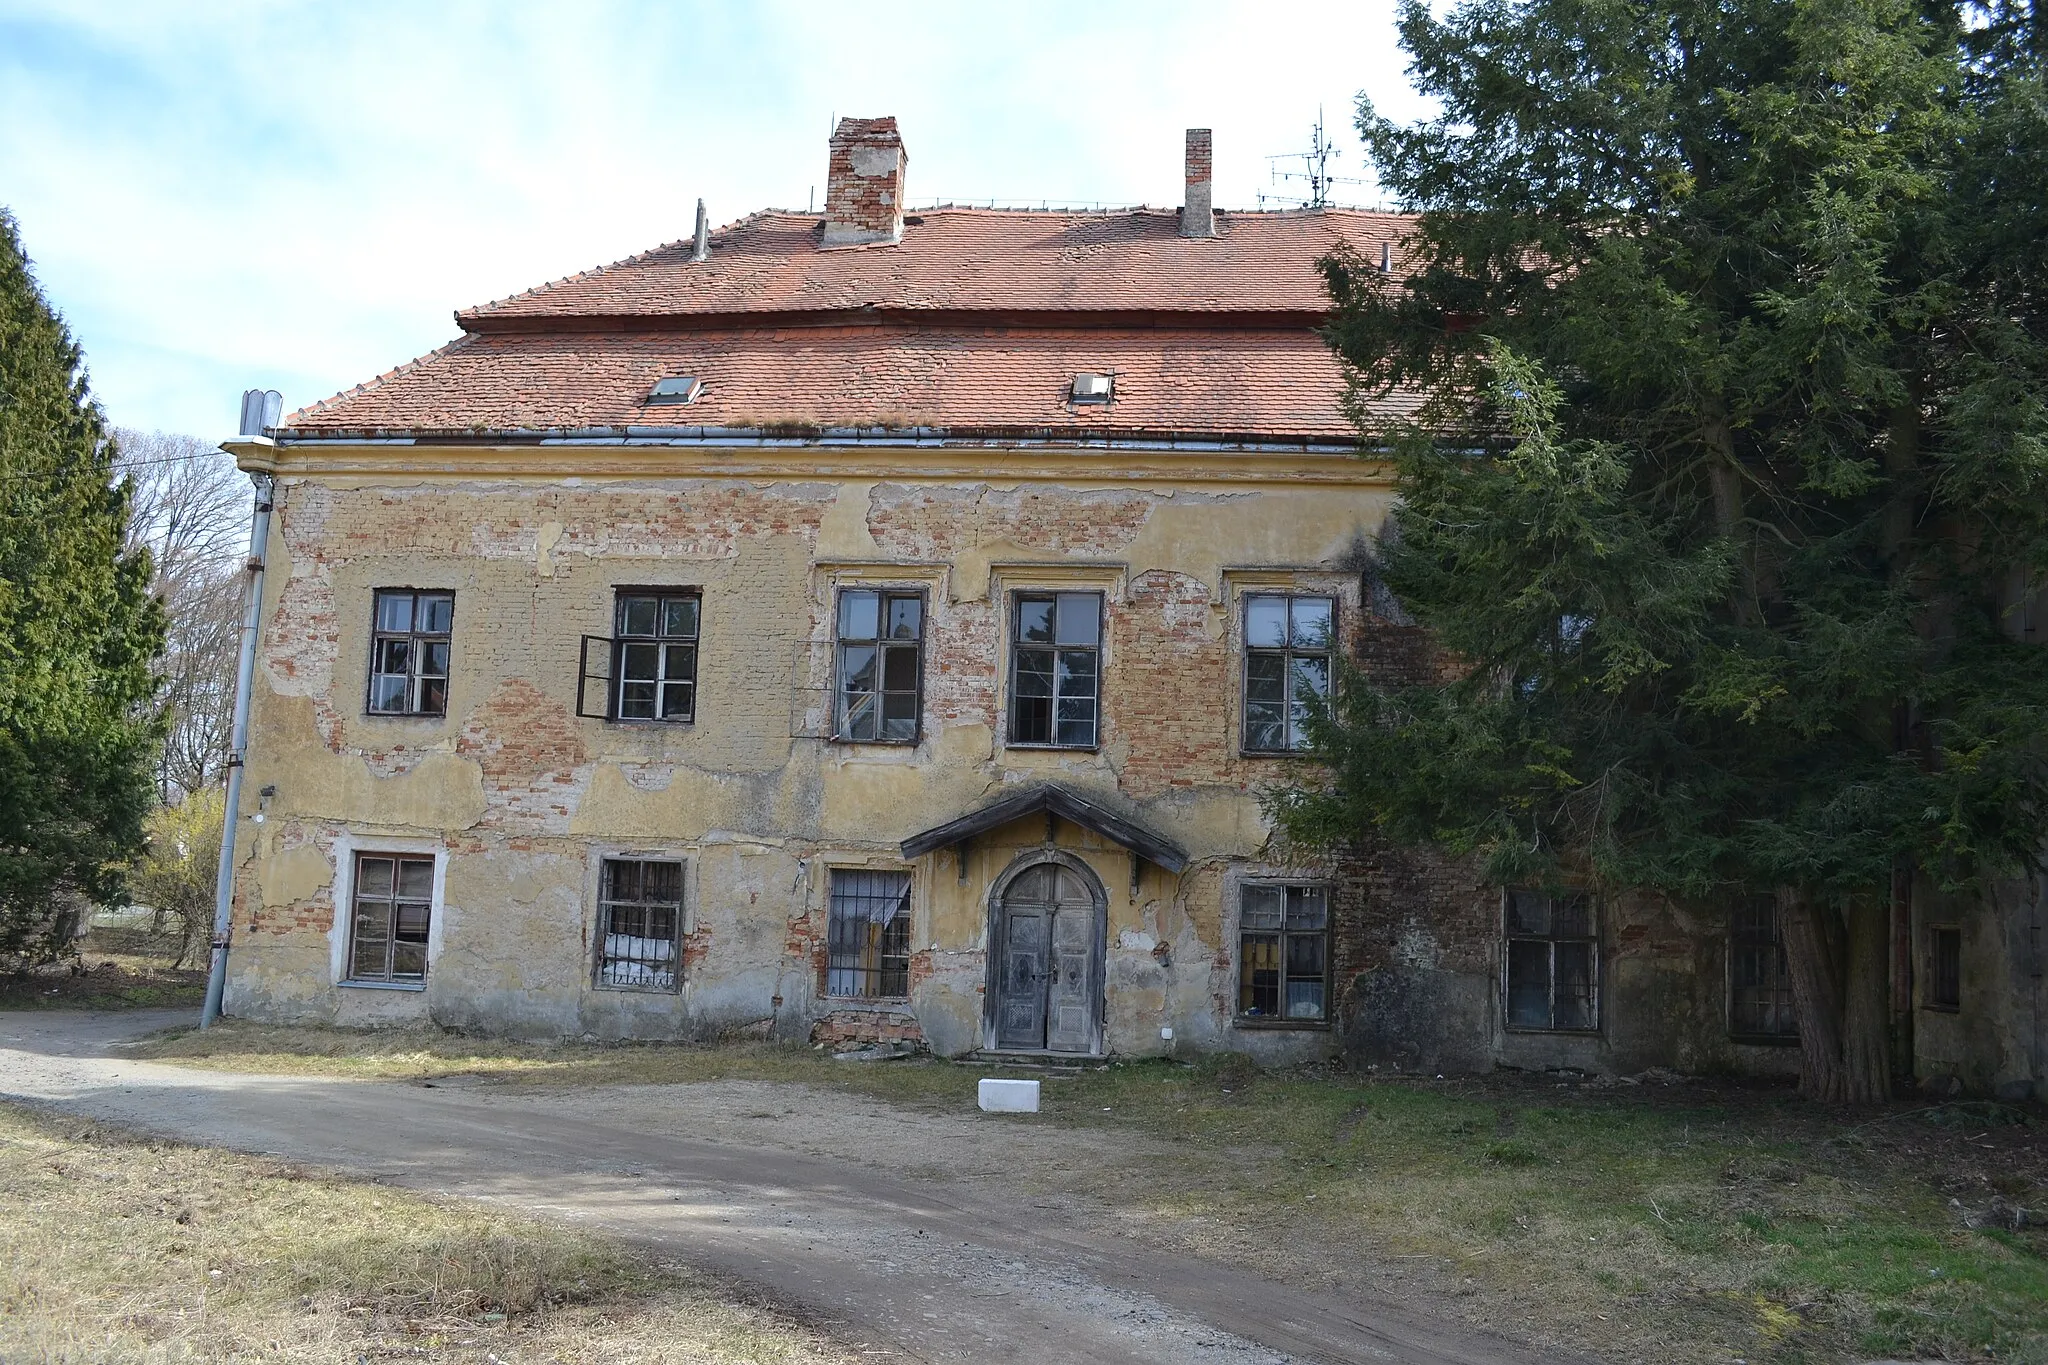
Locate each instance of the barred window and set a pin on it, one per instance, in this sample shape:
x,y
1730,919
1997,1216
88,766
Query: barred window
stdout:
x,y
409,652
1944,967
1287,642
1283,953
1553,962
392,911
1056,669
655,642
640,914
868,935
1759,982
880,666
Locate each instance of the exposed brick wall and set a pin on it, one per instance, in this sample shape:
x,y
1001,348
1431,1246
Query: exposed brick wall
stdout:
x,y
857,1028
1177,686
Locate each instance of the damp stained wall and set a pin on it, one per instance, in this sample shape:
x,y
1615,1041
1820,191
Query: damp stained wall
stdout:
x,y
518,799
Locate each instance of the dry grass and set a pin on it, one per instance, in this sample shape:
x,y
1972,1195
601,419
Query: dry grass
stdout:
x,y
1683,1222
116,1249
117,968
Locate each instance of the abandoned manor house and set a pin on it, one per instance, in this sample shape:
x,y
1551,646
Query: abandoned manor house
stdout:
x,y
872,625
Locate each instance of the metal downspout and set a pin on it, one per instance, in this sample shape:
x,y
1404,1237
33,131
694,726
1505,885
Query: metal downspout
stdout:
x,y
238,748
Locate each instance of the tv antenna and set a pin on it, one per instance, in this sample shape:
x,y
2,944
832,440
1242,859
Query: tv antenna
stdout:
x,y
1315,169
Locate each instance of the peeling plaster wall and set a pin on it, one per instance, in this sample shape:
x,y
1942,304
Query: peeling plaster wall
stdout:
x,y
522,798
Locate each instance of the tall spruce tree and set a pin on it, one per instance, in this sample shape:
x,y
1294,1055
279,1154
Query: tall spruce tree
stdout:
x,y
78,633
1730,503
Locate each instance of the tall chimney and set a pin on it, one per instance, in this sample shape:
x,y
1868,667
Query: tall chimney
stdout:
x,y
864,184
700,250
1198,213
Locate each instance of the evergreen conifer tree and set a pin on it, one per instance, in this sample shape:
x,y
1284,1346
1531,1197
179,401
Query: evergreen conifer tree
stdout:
x,y
78,633
1730,501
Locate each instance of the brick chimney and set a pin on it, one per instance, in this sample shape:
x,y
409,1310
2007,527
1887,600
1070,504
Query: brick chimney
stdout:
x,y
1198,214
864,185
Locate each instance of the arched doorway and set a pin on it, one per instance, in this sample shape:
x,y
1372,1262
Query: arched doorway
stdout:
x,y
1046,919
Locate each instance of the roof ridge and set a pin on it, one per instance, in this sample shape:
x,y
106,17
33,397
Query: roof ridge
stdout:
x,y
378,381
479,309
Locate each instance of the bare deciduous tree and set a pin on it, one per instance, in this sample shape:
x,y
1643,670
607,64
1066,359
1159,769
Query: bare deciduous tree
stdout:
x,y
191,508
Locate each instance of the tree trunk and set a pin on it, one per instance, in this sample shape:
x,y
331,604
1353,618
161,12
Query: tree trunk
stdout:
x,y
1838,966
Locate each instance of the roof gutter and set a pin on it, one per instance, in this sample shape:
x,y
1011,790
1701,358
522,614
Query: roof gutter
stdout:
x,y
798,438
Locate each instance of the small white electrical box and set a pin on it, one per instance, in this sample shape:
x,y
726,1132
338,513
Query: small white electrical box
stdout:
x,y
1008,1097
1166,1035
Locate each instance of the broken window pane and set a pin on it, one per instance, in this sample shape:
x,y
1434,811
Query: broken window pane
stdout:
x,y
409,652
880,676
392,914
640,917
1283,974
1552,967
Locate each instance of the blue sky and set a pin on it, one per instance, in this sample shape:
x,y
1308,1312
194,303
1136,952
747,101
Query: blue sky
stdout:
x,y
226,196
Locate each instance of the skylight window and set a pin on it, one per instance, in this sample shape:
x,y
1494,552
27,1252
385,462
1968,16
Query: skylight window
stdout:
x,y
675,390
1093,388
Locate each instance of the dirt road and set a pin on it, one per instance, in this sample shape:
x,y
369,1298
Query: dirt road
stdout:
x,y
902,1232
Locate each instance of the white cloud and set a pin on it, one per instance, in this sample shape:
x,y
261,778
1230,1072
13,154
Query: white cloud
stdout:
x,y
234,195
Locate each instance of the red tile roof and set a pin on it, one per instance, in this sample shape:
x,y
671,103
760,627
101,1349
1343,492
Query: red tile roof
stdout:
x,y
972,260
976,323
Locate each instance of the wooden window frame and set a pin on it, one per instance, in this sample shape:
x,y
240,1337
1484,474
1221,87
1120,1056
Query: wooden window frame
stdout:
x,y
885,646
1284,935
1019,647
1742,936
1510,936
878,941
387,896
413,638
608,903
1944,993
606,676
1292,745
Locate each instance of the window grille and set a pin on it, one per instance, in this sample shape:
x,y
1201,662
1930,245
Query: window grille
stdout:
x,y
640,921
393,907
880,666
1945,967
1553,962
1288,641
868,935
1055,669
1283,953
1759,982
409,652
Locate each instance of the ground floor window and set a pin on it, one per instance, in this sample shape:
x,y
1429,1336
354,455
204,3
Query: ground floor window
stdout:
x,y
394,904
1759,982
1552,974
1944,967
1283,953
868,936
640,909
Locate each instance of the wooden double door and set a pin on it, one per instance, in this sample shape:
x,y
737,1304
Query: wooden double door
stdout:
x,y
1047,976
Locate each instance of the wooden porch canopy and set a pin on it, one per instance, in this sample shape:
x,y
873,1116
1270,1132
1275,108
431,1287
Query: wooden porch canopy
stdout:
x,y
1054,801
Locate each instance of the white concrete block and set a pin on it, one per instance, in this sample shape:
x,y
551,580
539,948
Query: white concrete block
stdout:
x,y
1009,1097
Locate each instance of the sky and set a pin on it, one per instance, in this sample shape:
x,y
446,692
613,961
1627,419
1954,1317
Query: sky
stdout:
x,y
263,195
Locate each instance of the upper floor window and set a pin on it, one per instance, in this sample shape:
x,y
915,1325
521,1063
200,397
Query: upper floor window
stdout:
x,y
1759,982
656,649
646,669
1056,669
409,652
879,669
1553,962
1283,954
1287,642
868,935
